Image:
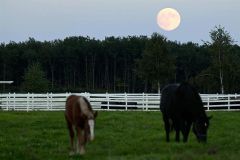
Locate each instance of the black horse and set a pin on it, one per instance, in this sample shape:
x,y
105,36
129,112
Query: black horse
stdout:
x,y
181,106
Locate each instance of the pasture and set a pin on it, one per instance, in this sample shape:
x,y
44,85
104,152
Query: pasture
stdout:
x,y
119,135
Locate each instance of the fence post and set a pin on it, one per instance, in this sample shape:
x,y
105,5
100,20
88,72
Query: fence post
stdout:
x,y
14,101
47,101
126,108
27,101
32,101
228,102
107,96
143,100
146,102
66,95
160,96
208,103
51,100
8,102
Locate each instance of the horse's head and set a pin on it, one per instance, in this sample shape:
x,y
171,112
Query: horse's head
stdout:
x,y
91,124
200,127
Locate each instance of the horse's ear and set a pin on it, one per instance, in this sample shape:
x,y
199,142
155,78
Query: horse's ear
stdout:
x,y
95,113
210,117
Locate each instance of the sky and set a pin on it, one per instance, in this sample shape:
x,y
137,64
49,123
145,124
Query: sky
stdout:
x,y
58,19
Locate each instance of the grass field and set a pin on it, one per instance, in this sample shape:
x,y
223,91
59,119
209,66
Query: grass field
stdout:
x,y
119,135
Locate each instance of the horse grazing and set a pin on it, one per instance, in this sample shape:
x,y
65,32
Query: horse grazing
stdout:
x,y
79,115
181,106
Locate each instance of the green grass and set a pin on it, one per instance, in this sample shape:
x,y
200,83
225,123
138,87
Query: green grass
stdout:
x,y
119,135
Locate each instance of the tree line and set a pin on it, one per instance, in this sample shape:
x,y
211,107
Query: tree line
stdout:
x,y
121,64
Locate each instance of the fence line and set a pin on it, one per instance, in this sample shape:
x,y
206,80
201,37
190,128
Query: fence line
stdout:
x,y
108,101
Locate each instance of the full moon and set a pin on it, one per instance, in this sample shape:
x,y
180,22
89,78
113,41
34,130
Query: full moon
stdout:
x,y
168,19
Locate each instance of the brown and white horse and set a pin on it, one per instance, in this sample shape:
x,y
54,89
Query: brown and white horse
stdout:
x,y
81,117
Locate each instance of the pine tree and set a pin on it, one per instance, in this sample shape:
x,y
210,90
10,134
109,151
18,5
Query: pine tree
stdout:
x,y
34,79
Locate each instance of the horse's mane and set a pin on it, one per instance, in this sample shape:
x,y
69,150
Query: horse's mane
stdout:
x,y
84,106
88,103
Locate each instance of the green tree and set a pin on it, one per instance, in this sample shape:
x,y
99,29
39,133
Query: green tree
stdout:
x,y
191,59
156,65
34,79
220,43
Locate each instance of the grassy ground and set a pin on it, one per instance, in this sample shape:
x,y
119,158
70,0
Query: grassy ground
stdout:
x,y
119,135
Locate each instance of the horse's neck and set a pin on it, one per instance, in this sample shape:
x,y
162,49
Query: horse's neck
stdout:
x,y
202,116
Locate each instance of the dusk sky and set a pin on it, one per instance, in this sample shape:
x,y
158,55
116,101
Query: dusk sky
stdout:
x,y
57,19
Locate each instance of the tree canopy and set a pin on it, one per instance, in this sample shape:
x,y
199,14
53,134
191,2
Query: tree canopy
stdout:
x,y
122,64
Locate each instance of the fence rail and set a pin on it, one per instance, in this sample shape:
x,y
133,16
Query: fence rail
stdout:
x,y
106,101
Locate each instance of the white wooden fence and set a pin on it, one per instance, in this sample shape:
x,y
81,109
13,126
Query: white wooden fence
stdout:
x,y
106,101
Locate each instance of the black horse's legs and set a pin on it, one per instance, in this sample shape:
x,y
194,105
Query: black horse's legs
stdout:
x,y
167,128
167,133
177,135
177,129
186,130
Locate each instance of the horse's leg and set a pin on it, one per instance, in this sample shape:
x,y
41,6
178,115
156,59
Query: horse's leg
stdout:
x,y
183,128
177,129
81,141
177,139
86,134
71,134
167,127
187,130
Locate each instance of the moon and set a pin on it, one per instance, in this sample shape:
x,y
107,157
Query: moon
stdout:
x,y
168,19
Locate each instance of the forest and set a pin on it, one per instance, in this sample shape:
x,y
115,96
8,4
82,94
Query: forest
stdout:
x,y
132,64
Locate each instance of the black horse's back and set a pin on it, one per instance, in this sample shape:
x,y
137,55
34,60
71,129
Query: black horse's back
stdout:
x,y
180,98
189,99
